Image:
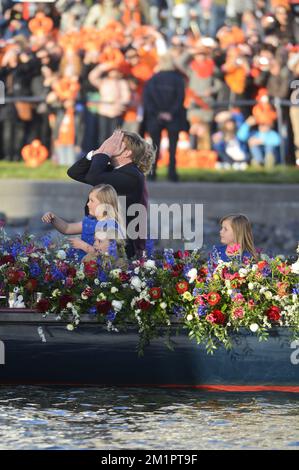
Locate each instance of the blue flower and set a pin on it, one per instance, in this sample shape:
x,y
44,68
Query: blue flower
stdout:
x,y
150,283
197,291
46,240
110,315
169,258
177,311
35,270
266,271
295,289
57,274
202,310
112,250
102,276
149,247
92,311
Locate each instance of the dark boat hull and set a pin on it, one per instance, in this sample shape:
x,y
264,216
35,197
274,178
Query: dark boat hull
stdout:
x,y
43,351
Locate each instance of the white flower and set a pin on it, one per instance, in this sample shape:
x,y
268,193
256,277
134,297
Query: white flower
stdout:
x,y
115,273
70,327
254,267
254,327
262,290
101,296
84,296
150,264
117,305
97,282
23,259
192,274
113,290
56,293
229,291
61,254
189,317
136,283
243,272
250,286
163,305
69,305
136,270
268,295
295,267
16,290
80,275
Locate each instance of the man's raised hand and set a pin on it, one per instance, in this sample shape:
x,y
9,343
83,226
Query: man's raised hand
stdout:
x,y
113,146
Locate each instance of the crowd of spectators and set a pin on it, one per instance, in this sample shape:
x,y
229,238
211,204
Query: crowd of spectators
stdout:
x,y
224,71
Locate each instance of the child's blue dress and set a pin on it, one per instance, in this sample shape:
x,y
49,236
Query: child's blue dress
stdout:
x,y
219,253
88,229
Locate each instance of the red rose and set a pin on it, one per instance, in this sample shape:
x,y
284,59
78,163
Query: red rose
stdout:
x,y
202,274
88,291
155,292
181,254
176,270
90,268
7,259
213,298
14,277
71,272
43,305
181,287
143,304
31,285
124,277
103,306
219,317
273,313
64,300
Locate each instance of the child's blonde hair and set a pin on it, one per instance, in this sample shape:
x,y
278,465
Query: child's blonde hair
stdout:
x,y
108,207
241,227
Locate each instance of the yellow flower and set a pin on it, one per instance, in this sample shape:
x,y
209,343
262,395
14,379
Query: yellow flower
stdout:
x,y
187,296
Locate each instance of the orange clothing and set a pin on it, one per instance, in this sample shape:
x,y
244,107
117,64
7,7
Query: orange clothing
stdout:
x,y
66,134
235,78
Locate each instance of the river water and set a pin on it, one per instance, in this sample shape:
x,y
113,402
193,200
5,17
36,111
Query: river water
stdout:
x,y
112,418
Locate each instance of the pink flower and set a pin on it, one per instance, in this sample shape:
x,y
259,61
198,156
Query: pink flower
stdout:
x,y
233,250
238,298
238,312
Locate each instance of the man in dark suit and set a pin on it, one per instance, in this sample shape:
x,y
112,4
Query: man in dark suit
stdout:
x,y
122,161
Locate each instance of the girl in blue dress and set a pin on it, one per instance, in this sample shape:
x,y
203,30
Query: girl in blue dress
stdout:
x,y
237,241
100,198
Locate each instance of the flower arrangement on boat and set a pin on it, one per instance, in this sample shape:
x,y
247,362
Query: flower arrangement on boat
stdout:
x,y
161,289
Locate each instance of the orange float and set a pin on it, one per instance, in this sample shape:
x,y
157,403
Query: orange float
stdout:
x,y
34,154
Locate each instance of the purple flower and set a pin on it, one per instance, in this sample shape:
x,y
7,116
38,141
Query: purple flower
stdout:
x,y
177,311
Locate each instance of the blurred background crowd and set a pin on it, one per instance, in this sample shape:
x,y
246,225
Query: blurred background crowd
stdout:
x,y
213,76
